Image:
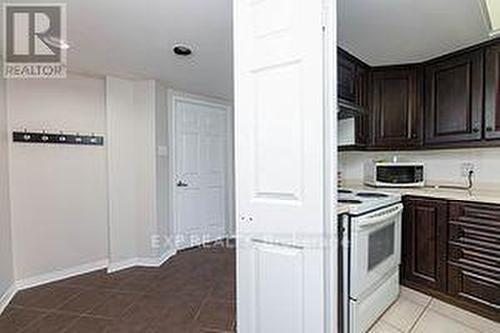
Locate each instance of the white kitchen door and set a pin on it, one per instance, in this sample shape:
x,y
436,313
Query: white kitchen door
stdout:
x,y
282,117
200,177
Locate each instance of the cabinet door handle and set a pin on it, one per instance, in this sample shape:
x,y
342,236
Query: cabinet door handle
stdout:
x,y
181,184
476,130
489,129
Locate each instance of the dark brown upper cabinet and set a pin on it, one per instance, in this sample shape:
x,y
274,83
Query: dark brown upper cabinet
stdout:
x,y
353,87
454,99
395,107
492,93
346,77
363,127
449,102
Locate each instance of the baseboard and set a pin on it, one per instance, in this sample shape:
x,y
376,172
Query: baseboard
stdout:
x,y
7,297
141,262
187,246
60,274
121,265
157,262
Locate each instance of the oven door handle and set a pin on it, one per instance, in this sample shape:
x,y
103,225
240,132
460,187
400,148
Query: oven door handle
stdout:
x,y
381,217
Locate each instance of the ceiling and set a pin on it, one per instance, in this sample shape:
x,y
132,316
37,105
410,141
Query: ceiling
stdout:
x,y
132,38
386,32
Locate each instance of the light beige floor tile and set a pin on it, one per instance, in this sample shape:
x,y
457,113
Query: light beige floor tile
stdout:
x,y
383,327
403,314
434,322
415,296
465,317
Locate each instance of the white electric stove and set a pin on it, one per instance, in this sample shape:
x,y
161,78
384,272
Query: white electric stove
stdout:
x,y
362,202
371,239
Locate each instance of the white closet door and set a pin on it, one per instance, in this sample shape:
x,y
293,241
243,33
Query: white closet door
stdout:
x,y
280,165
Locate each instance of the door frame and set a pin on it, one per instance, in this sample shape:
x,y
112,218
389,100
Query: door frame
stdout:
x,y
174,96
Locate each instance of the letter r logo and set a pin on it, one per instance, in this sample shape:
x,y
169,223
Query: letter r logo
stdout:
x,y
33,33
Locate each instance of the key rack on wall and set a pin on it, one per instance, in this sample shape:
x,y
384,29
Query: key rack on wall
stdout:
x,y
59,138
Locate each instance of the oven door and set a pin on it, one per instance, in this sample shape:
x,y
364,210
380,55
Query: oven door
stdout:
x,y
375,249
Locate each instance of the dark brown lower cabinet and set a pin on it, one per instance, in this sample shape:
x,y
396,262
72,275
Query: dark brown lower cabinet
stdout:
x,y
451,250
474,256
424,243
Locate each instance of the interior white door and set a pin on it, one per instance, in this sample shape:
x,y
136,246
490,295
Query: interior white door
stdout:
x,y
280,131
200,171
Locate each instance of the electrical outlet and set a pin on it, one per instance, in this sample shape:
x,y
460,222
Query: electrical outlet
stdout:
x,y
467,167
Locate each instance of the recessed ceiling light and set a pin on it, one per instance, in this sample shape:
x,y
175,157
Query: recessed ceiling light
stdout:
x,y
182,50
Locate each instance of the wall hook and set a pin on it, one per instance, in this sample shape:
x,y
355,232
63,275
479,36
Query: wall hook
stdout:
x,y
59,138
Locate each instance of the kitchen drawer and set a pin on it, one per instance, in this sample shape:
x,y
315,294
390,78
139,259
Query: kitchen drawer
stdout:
x,y
474,234
473,261
476,289
484,263
483,215
474,224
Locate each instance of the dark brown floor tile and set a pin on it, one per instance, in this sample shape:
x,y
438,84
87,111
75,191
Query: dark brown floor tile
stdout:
x,y
81,281
15,319
223,293
168,327
126,327
193,292
25,297
114,305
89,325
217,315
45,297
181,313
52,323
139,283
84,302
107,282
173,285
212,330
144,310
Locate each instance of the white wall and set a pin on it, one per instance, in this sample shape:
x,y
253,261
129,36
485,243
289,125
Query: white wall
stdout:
x,y
58,193
122,197
137,185
76,205
162,168
6,268
442,166
145,159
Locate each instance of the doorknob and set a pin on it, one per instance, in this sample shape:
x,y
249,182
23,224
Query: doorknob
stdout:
x,y
181,184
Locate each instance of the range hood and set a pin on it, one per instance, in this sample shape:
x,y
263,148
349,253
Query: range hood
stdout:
x,y
347,109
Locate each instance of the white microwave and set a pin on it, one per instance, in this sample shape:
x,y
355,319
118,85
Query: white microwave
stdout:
x,y
394,174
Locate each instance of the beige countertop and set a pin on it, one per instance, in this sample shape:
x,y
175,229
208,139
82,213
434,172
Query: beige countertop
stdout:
x,y
342,209
489,195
